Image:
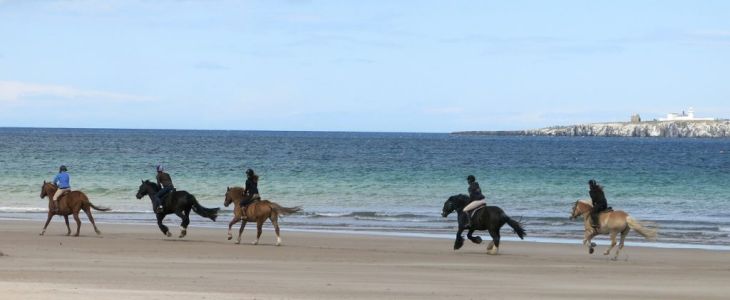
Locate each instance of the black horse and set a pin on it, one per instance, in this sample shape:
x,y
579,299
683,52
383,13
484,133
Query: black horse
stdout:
x,y
490,218
176,202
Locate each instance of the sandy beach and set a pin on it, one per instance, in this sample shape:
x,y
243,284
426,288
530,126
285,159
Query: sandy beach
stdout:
x,y
137,262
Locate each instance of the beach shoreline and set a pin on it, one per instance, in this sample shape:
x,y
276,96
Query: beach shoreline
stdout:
x,y
138,262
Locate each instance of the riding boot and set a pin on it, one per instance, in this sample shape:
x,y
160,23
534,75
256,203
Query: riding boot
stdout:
x,y
243,213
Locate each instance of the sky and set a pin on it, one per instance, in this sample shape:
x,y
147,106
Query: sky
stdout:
x,y
393,66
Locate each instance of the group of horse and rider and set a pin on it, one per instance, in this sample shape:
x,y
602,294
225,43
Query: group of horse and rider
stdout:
x,y
472,210
167,200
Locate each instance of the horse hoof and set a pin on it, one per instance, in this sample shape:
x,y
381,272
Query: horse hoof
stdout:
x,y
42,233
477,240
593,244
168,234
98,232
238,242
230,238
590,250
458,244
255,243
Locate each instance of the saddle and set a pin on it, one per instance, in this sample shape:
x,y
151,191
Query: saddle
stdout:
x,y
473,211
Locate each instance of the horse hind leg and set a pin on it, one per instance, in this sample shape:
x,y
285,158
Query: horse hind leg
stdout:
x,y
275,223
68,227
495,239
87,210
185,222
621,242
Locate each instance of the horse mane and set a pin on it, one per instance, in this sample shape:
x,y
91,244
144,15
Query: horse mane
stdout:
x,y
586,202
236,188
460,198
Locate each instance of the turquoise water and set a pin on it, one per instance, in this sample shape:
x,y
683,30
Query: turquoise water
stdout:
x,y
382,182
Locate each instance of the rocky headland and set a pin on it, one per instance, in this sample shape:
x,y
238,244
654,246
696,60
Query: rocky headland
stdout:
x,y
671,129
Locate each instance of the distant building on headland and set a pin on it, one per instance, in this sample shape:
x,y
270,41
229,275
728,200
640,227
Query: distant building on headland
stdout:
x,y
635,118
685,116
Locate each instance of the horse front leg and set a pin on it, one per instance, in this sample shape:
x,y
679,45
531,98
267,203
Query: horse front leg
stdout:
x,y
163,228
240,231
588,235
473,239
48,220
459,239
230,225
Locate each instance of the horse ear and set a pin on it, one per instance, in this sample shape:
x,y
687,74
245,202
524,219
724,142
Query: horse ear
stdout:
x,y
44,182
228,188
142,180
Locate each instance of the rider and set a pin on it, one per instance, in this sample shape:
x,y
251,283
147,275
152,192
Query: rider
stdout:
x,y
251,192
63,182
599,202
475,196
164,182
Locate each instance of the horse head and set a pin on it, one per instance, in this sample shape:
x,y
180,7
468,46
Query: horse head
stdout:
x,y
234,193
453,203
146,188
43,190
580,207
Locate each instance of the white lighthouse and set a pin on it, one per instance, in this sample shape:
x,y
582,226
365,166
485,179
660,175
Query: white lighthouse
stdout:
x,y
689,115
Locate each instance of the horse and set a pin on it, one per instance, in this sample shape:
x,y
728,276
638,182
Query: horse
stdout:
x,y
176,202
258,211
69,203
612,222
490,218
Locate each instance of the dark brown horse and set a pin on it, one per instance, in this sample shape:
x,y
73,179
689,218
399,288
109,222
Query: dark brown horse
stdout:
x,y
257,211
69,203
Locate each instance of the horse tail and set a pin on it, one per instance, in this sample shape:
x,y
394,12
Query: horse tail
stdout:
x,y
85,199
646,232
281,210
99,208
211,213
516,226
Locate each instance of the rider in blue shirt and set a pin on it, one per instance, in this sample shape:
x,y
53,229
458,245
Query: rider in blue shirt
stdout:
x,y
63,182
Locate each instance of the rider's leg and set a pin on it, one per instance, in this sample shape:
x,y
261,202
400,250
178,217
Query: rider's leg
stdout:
x,y
158,199
244,202
57,195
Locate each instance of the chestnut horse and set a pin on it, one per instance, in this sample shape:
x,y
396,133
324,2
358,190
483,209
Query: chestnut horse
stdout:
x,y
612,222
69,203
257,211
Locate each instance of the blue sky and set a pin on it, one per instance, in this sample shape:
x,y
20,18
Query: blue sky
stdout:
x,y
423,66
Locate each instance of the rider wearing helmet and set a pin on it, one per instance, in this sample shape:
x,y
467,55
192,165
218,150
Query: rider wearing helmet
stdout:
x,y
164,182
63,182
251,191
599,202
476,197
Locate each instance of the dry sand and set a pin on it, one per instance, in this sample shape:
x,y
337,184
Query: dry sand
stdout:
x,y
137,262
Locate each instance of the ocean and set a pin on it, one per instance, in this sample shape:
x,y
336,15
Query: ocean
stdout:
x,y
381,183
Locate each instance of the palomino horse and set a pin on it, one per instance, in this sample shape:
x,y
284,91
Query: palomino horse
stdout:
x,y
257,211
69,203
490,218
176,202
611,222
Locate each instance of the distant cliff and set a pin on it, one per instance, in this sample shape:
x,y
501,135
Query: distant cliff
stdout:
x,y
691,129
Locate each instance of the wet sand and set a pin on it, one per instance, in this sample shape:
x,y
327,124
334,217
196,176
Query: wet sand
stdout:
x,y
138,262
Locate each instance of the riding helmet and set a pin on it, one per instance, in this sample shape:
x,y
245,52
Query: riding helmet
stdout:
x,y
62,169
471,178
249,172
160,168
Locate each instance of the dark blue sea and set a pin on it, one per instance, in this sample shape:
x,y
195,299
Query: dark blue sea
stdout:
x,y
388,183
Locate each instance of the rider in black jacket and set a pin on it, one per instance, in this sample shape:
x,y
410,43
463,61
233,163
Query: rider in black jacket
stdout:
x,y
599,202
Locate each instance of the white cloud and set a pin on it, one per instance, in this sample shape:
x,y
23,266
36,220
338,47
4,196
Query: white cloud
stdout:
x,y
14,91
